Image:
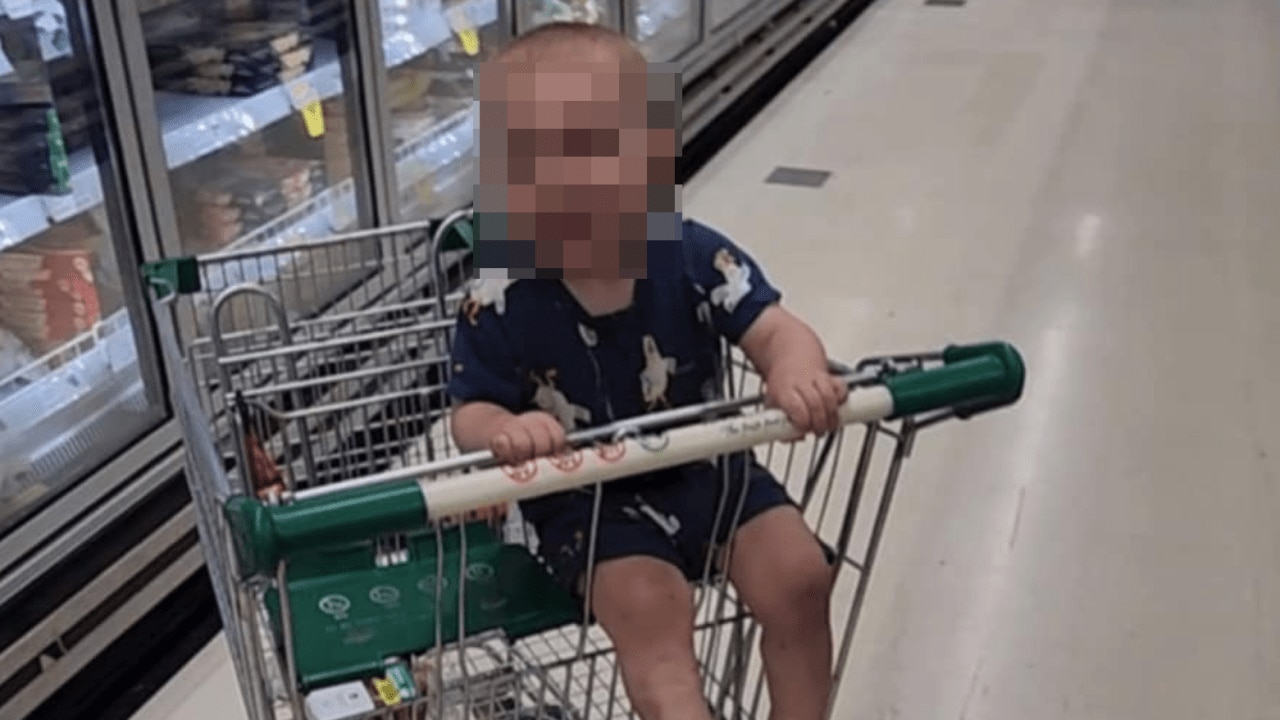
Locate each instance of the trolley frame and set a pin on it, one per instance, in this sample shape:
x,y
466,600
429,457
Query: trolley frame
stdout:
x,y
312,393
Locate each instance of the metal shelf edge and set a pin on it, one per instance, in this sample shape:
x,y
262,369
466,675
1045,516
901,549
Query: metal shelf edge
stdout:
x,y
21,218
196,126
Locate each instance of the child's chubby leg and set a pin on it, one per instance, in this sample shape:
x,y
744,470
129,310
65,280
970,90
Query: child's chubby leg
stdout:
x,y
639,595
785,577
646,606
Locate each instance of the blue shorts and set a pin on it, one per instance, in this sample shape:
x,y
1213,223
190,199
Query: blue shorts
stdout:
x,y
679,516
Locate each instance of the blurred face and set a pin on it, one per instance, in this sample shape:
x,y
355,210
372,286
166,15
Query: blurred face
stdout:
x,y
573,161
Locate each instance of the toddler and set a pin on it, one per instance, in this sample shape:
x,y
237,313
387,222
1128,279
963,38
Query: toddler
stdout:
x,y
619,310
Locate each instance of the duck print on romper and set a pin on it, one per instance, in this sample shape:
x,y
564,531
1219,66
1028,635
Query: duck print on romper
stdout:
x,y
656,374
737,281
550,400
482,294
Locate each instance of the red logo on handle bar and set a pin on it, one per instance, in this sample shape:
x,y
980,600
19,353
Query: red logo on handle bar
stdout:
x,y
522,473
611,452
566,462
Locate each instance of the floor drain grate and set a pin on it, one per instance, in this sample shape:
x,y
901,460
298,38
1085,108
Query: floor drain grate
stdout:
x,y
798,177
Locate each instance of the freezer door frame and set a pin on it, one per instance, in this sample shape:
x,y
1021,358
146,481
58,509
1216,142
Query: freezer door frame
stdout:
x,y
132,238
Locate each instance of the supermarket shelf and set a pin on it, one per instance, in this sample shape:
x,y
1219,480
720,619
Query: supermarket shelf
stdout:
x,y
64,376
328,213
446,143
195,126
448,189
68,374
86,189
334,210
20,218
432,172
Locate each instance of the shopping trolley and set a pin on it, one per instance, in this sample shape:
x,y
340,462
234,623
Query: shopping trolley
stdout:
x,y
338,520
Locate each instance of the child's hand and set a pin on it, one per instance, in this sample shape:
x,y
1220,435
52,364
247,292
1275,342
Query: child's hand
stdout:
x,y
811,398
527,436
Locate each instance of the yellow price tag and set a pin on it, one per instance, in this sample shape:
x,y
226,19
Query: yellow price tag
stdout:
x,y
306,100
465,30
313,118
470,40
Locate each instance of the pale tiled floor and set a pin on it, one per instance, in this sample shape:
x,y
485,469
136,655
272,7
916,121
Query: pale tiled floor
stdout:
x,y
1097,181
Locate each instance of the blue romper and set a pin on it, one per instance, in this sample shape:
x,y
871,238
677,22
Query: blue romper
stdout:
x,y
529,345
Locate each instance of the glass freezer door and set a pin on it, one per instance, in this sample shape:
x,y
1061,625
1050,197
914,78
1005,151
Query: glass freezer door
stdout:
x,y
430,50
664,29
532,13
71,385
254,101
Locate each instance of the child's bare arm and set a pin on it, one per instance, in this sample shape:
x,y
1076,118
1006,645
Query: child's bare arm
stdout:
x,y
510,437
789,356
778,339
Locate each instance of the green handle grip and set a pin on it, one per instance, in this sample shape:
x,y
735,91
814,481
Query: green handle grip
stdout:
x,y
974,379
263,534
461,236
174,275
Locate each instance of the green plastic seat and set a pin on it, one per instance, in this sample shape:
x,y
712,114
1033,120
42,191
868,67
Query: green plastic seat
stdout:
x,y
349,616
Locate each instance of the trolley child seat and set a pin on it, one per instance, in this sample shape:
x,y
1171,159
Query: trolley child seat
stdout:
x,y
336,516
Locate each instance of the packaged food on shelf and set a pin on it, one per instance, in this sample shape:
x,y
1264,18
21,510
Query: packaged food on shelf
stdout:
x,y
33,156
48,288
79,113
322,18
233,59
37,49
235,80
33,150
236,194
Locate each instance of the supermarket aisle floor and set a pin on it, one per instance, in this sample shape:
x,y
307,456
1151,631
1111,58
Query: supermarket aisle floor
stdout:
x,y
1094,180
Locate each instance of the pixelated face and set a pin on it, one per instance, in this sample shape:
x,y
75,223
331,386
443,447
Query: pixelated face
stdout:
x,y
577,166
